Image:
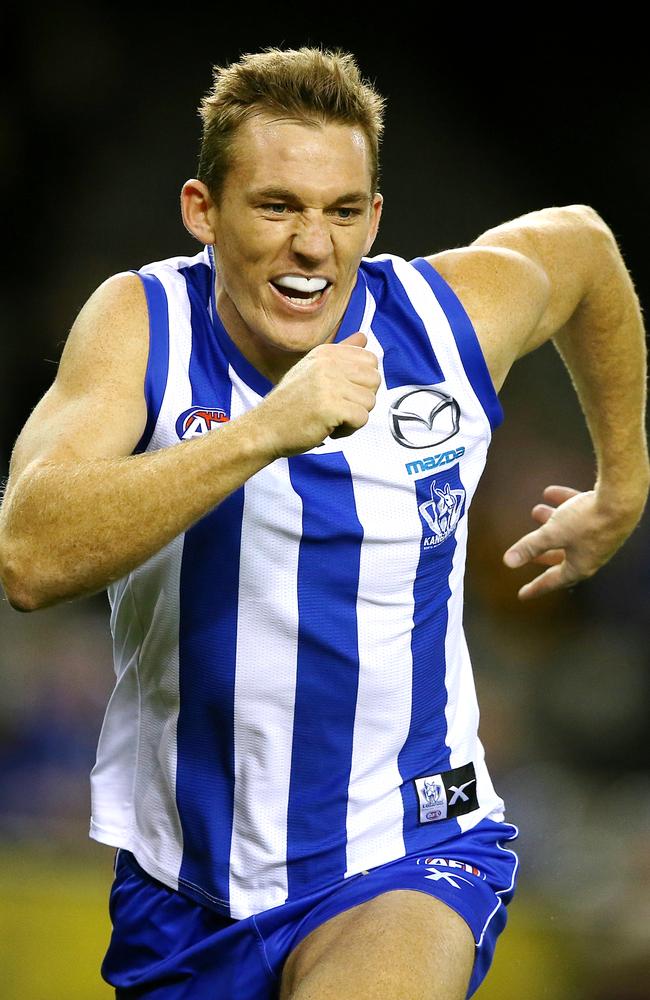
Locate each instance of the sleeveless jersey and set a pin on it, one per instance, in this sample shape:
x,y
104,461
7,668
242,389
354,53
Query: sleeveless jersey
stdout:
x,y
294,699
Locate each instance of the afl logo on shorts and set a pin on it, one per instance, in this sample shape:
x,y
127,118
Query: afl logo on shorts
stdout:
x,y
199,420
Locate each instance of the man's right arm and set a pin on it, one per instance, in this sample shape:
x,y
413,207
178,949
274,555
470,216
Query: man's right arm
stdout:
x,y
80,510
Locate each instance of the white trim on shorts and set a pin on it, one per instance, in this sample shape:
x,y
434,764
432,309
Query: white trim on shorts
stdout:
x,y
500,892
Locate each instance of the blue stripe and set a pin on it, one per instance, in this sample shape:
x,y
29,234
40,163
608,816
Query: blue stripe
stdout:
x,y
158,360
209,377
327,672
466,341
209,589
425,751
409,358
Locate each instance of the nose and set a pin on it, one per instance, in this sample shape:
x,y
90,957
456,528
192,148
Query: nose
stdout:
x,y
312,239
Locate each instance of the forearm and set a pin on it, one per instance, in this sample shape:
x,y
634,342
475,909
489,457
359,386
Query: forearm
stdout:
x,y
70,528
603,347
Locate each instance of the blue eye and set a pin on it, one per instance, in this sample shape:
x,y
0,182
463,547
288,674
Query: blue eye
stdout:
x,y
346,214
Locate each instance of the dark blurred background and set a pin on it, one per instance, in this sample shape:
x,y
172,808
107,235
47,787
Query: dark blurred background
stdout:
x,y
487,119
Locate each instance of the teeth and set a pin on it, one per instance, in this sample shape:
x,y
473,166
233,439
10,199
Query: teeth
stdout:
x,y
301,302
300,284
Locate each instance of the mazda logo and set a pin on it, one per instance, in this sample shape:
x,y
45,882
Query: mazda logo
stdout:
x,y
423,418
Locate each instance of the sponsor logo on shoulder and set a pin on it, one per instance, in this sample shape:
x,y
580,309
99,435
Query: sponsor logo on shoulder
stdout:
x,y
199,420
433,461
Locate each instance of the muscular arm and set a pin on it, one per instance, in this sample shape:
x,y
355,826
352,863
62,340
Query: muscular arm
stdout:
x,y
81,511
558,274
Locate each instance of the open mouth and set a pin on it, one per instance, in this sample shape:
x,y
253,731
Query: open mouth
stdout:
x,y
299,290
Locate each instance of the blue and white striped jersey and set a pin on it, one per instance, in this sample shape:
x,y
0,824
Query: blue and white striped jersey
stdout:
x,y
294,699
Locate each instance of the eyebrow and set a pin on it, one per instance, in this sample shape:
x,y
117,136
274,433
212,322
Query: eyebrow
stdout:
x,y
283,194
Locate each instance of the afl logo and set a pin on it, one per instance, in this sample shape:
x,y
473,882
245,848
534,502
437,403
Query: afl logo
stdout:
x,y
199,420
423,418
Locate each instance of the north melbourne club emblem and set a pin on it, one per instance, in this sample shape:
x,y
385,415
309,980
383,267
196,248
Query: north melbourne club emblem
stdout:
x,y
441,513
432,792
450,793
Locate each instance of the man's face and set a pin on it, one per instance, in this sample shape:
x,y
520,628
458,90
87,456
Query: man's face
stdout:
x,y
296,204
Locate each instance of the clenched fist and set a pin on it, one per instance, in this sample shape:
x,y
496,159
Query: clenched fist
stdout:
x,y
328,393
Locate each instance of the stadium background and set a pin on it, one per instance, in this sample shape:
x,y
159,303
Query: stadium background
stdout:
x,y
97,132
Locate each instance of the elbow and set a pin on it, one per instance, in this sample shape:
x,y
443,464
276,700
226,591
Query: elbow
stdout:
x,y
20,580
21,601
591,219
586,211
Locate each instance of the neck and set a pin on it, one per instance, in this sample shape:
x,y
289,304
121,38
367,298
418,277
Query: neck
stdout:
x,y
269,360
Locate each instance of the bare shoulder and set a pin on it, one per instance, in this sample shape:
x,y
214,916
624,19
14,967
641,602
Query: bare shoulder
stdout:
x,y
521,281
96,406
109,335
503,292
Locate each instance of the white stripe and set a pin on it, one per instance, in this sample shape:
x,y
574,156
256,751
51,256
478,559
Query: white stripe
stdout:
x,y
265,681
366,326
383,710
461,710
384,621
501,892
112,777
158,838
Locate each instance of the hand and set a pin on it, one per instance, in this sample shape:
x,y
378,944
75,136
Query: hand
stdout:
x,y
577,535
328,393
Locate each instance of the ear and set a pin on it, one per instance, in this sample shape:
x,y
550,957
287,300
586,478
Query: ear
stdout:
x,y
197,210
375,215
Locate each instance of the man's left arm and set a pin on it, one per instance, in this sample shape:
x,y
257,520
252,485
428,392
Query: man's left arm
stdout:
x,y
558,274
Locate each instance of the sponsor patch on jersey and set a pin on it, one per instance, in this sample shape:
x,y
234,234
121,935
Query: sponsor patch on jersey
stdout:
x,y
433,461
199,420
424,417
443,796
441,503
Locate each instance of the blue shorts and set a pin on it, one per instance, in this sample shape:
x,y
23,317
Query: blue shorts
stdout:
x,y
165,946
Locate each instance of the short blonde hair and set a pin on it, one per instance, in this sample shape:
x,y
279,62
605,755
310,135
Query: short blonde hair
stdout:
x,y
308,84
